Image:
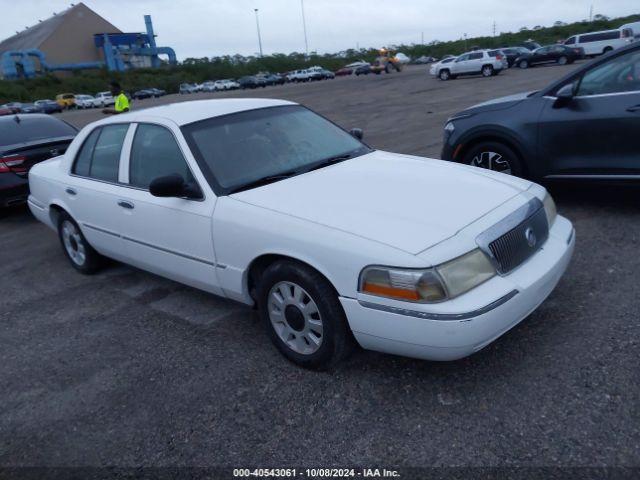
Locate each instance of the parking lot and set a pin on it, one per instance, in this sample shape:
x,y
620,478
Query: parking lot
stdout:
x,y
126,368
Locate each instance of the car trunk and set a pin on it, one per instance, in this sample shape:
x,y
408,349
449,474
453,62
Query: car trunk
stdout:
x,y
20,158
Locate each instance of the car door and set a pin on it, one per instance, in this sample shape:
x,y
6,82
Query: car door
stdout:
x,y
475,62
541,55
596,133
93,189
167,235
459,65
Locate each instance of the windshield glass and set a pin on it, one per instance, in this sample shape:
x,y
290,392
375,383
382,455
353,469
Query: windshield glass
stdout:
x,y
239,149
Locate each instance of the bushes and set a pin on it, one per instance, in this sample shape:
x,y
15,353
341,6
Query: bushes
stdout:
x,y
233,66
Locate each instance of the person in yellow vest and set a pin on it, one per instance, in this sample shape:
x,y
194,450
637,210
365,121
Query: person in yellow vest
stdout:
x,y
122,102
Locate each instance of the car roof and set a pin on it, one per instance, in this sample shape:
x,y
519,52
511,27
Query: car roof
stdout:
x,y
183,113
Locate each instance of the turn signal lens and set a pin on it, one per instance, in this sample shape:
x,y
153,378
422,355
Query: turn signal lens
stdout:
x,y
408,285
550,209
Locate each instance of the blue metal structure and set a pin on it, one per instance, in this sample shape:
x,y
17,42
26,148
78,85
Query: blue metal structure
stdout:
x,y
122,51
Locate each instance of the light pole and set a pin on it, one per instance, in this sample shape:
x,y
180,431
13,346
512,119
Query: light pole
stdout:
x,y
258,27
304,27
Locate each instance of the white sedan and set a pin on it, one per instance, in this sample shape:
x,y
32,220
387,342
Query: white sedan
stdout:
x,y
267,203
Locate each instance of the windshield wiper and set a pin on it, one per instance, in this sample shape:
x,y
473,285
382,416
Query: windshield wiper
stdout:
x,y
264,181
330,161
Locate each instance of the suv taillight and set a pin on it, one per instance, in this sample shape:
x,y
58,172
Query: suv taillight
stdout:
x,y
499,57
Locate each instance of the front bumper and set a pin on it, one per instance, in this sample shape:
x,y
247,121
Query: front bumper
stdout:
x,y
422,332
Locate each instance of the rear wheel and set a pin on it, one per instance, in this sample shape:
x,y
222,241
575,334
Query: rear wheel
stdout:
x,y
487,71
607,50
81,255
494,156
523,64
563,60
303,315
444,75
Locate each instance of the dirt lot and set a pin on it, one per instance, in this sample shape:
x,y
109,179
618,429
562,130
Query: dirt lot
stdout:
x,y
126,368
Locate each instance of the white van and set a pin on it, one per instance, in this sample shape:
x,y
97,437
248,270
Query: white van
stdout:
x,y
596,43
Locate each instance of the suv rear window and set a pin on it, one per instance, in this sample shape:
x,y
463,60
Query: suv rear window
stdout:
x,y
31,129
495,53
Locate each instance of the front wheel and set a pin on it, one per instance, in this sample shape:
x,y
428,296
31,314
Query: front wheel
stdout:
x,y
303,315
563,60
76,248
444,75
523,64
494,156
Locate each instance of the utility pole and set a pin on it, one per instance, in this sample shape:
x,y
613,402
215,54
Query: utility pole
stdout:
x,y
258,27
494,28
422,38
591,13
304,27
465,43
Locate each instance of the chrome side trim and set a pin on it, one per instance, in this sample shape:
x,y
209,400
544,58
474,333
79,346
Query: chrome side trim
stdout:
x,y
441,316
155,247
596,177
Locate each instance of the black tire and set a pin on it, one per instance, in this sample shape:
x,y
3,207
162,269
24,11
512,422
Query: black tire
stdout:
x,y
563,60
336,340
92,261
480,153
487,71
606,50
523,64
444,75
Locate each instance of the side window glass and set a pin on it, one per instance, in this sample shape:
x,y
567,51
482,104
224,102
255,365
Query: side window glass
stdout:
x,y
475,56
620,74
462,58
82,164
154,154
106,154
571,41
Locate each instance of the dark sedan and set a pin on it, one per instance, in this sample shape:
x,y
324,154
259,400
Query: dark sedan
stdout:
x,y
363,70
142,94
48,106
584,126
560,54
24,141
344,71
251,82
273,79
512,53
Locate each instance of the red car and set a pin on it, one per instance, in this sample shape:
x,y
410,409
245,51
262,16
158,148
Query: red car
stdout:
x,y
344,71
5,111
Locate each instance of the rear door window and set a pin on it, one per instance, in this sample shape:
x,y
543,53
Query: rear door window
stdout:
x,y
99,156
475,56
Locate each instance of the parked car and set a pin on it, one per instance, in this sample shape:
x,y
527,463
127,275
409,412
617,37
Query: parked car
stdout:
x,y
327,74
103,99
323,269
597,43
26,140
85,101
251,82
66,100
344,71
15,107
434,69
362,70
560,54
157,92
29,108
48,106
512,53
142,94
584,126
5,111
634,27
473,63
226,84
272,79
187,88
423,60
209,86
501,56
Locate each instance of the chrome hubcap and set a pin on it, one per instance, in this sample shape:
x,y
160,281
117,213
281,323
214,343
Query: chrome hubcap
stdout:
x,y
486,71
73,243
491,161
295,317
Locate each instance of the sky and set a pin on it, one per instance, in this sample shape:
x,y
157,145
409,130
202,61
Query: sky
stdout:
x,y
205,28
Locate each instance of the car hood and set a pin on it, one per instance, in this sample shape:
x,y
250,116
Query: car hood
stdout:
x,y
406,202
500,103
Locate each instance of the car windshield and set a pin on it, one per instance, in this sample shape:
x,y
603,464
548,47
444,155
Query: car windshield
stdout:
x,y
241,150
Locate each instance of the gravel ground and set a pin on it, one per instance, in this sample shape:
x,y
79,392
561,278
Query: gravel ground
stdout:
x,y
126,368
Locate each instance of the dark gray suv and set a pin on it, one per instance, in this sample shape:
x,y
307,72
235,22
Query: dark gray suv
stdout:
x,y
584,126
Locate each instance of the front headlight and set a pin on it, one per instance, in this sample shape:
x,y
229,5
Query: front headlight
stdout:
x,y
550,209
449,128
432,285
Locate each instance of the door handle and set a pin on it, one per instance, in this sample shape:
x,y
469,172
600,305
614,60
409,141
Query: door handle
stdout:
x,y
635,108
125,204
70,191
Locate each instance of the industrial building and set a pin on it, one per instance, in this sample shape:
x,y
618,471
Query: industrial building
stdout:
x,y
76,39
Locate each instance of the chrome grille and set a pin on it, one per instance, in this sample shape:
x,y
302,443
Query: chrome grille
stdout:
x,y
511,242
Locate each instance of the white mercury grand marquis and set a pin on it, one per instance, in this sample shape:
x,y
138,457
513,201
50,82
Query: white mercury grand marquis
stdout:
x,y
267,203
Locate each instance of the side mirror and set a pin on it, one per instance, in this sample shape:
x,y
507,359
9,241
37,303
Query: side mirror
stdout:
x,y
357,132
172,186
564,96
